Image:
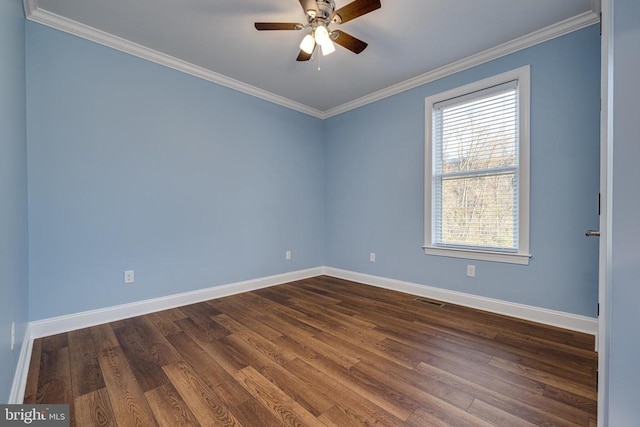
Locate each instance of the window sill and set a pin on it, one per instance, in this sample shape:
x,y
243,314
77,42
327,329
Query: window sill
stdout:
x,y
522,259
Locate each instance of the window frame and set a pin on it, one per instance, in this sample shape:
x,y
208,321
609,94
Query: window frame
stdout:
x,y
522,256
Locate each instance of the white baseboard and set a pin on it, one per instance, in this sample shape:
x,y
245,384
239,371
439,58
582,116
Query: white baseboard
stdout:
x,y
560,319
85,319
70,322
16,395
60,324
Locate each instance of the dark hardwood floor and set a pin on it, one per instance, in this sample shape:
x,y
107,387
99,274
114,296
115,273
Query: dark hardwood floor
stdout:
x,y
321,351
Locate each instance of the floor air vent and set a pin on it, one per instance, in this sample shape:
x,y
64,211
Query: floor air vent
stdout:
x,y
429,302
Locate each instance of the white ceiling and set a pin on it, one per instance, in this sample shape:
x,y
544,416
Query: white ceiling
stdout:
x,y
410,41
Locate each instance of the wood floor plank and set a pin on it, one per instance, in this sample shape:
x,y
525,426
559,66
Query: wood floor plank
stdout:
x,y
205,365
434,415
496,416
546,378
584,377
334,312
350,404
287,324
485,385
452,402
312,347
338,416
86,375
527,412
258,343
283,407
421,418
377,392
232,393
129,405
245,315
145,360
54,379
55,342
226,356
302,391
160,350
169,408
559,395
207,407
546,347
365,338
163,321
507,350
420,391
93,409
319,351
103,337
252,414
202,328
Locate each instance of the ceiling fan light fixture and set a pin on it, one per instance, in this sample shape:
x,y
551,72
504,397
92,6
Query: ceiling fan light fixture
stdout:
x,y
308,43
328,48
320,14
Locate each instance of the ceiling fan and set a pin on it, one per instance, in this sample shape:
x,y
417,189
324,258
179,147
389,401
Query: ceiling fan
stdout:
x,y
320,14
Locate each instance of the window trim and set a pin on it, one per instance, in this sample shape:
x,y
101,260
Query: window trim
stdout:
x,y
522,256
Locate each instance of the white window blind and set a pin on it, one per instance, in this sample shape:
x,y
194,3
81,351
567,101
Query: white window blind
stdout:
x,y
475,170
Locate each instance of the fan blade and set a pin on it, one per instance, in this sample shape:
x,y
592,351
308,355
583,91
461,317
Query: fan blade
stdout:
x,y
304,56
348,41
308,5
262,26
354,10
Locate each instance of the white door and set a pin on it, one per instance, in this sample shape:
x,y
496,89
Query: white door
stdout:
x,y
606,124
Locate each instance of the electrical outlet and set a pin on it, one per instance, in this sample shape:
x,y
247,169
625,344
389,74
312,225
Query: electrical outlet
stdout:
x,y
372,257
13,335
471,270
128,276
287,255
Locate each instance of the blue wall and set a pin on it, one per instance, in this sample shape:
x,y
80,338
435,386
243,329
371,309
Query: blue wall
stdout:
x,y
13,188
375,184
136,166
624,293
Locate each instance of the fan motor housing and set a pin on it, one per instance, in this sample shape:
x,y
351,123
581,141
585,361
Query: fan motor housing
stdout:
x,y
325,10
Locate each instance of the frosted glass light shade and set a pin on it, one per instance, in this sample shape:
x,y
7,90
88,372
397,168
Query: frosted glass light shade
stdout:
x,y
328,48
322,35
308,43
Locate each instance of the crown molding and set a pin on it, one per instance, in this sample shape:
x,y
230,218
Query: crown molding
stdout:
x,y
30,6
35,14
75,28
561,28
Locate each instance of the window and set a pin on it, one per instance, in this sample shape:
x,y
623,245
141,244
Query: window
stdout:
x,y
477,170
